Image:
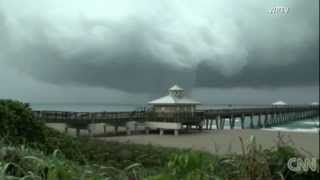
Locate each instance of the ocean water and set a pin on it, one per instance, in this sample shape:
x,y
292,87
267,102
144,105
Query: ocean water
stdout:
x,y
308,125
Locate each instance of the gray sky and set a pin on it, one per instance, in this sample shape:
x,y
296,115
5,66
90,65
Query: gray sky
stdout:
x,y
129,51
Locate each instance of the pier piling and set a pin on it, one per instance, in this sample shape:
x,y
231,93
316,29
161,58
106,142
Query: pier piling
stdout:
x,y
242,121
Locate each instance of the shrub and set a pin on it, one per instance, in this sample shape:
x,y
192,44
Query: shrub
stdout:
x,y
17,125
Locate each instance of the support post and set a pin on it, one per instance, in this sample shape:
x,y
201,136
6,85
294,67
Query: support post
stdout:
x,y
161,132
271,119
242,121
104,129
147,131
200,127
211,123
289,116
222,121
300,115
218,122
259,121
266,120
128,132
232,122
176,132
251,121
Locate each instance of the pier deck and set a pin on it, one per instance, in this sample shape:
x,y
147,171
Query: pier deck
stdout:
x,y
265,117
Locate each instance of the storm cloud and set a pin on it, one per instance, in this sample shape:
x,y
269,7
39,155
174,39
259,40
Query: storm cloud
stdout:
x,y
145,46
302,72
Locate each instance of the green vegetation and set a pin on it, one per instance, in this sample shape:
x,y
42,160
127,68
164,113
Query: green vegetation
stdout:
x,y
30,150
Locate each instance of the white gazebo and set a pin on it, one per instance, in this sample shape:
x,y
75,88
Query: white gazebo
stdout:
x,y
279,103
175,101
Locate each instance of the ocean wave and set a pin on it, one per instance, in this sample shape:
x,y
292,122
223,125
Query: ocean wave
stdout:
x,y
311,130
312,123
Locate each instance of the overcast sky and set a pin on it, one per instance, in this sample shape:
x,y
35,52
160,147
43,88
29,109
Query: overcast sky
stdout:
x,y
131,51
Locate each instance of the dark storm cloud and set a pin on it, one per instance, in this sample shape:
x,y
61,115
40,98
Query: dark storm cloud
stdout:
x,y
128,65
149,47
303,72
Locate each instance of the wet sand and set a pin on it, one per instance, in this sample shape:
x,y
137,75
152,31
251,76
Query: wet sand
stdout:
x,y
227,141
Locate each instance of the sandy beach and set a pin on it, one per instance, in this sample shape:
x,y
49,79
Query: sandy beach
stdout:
x,y
226,141
215,141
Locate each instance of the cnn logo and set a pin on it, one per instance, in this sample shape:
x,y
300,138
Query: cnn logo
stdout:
x,y
300,164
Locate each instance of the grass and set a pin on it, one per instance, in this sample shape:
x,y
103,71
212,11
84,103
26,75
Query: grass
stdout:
x,y
21,162
44,153
26,163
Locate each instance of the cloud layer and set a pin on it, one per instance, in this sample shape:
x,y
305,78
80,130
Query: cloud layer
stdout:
x,y
145,47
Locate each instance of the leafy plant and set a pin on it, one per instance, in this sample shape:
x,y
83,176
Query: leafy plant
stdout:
x,y
17,124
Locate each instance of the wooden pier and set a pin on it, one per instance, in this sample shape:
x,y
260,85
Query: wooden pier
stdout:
x,y
258,117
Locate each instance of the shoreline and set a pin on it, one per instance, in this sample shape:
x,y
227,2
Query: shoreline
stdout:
x,y
213,141
227,141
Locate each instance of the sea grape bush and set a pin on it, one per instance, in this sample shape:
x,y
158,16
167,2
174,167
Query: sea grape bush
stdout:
x,y
17,124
